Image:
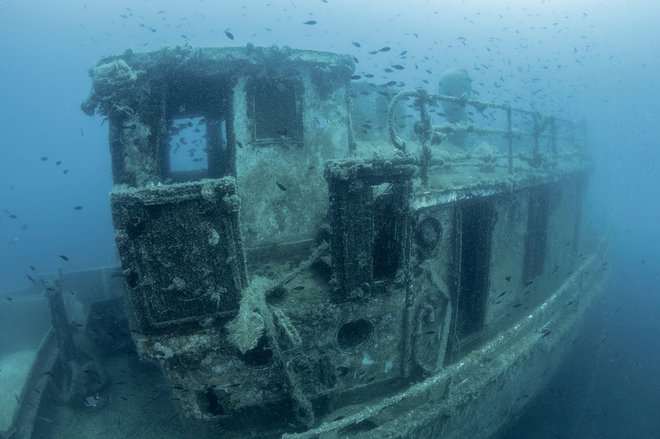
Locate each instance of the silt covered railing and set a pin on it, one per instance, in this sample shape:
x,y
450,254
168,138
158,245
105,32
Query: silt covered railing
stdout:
x,y
528,135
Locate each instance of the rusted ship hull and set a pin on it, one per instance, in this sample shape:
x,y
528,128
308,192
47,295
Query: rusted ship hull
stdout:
x,y
307,273
474,397
490,386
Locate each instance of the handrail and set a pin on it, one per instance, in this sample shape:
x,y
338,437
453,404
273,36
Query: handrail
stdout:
x,y
544,126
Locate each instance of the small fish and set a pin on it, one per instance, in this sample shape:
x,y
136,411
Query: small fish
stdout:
x,y
385,49
391,83
8,299
299,287
92,401
508,278
502,294
368,75
78,207
517,305
281,186
66,171
310,22
64,258
356,77
44,158
356,44
229,34
33,268
31,278
398,66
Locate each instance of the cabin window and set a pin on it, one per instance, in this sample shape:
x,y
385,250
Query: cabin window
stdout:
x,y
474,243
187,140
387,246
194,142
198,144
537,232
276,111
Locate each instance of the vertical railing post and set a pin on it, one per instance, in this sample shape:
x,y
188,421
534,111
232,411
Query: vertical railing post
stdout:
x,y
424,135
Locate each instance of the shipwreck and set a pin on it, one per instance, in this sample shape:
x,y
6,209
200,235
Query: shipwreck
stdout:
x,y
304,255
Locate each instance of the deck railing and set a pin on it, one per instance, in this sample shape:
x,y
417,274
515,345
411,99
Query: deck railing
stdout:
x,y
539,128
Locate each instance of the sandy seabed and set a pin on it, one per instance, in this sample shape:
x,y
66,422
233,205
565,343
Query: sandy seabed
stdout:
x,y
14,370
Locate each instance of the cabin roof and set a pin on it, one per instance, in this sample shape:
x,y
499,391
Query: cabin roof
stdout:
x,y
118,81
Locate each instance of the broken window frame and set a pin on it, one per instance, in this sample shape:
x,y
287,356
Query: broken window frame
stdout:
x,y
353,208
212,101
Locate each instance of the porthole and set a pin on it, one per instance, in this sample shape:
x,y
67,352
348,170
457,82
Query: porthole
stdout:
x,y
259,356
354,334
427,236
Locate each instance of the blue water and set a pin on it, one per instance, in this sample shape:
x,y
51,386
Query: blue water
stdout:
x,y
597,60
